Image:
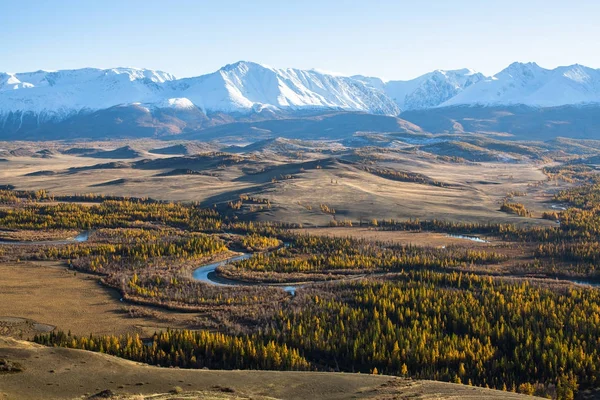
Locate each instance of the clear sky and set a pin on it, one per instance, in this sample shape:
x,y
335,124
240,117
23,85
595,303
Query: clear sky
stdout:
x,y
392,39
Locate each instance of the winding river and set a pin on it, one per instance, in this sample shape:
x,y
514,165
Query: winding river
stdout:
x,y
584,283
471,238
559,207
572,280
207,274
82,237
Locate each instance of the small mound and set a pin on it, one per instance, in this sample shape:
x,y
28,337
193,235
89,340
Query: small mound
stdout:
x,y
125,152
23,152
110,183
80,151
109,165
9,367
22,327
105,394
187,149
46,153
180,171
41,173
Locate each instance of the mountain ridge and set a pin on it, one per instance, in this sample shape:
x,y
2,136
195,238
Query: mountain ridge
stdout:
x,y
247,86
134,102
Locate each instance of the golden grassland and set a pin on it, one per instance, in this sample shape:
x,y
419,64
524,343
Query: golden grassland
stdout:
x,y
296,189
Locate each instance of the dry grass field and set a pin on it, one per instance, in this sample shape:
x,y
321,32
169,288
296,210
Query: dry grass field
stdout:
x,y
50,294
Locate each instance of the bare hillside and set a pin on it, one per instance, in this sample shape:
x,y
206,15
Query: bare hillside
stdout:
x,y
59,373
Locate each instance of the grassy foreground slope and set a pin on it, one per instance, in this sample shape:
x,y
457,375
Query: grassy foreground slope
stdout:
x,y
59,373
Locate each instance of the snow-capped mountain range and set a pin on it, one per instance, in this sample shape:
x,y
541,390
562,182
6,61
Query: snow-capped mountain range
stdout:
x,y
237,88
247,87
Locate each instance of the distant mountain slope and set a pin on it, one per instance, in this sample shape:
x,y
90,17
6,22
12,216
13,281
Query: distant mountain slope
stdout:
x,y
516,122
328,126
426,91
524,122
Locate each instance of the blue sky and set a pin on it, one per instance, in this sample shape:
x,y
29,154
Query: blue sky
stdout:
x,y
389,39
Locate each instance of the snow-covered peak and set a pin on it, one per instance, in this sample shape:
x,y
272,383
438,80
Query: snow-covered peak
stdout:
x,y
519,67
58,94
245,86
431,89
372,81
579,73
180,103
529,84
523,73
79,76
465,72
138,74
243,66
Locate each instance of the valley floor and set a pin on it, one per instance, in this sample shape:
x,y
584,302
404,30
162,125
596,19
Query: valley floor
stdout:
x,y
135,273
